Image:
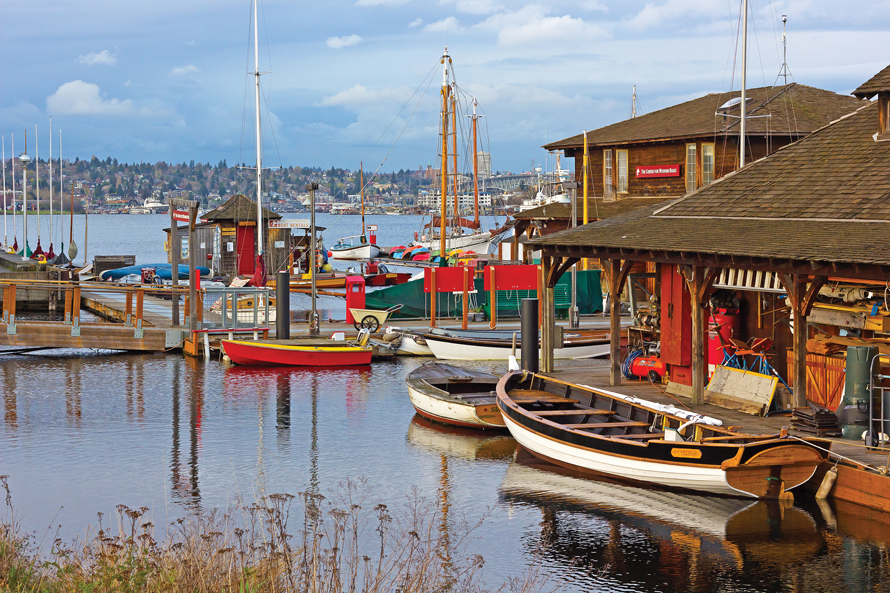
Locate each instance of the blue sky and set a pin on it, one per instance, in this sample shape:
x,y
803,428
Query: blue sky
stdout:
x,y
166,80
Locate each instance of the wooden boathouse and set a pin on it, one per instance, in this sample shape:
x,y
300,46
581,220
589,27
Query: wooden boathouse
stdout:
x,y
813,214
676,150
226,239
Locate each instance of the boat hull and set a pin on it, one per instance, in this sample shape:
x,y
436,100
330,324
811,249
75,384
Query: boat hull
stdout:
x,y
446,348
454,413
262,354
413,345
478,242
366,251
728,464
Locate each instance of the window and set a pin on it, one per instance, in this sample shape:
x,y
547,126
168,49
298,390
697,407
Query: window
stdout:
x,y
707,163
691,163
621,156
607,173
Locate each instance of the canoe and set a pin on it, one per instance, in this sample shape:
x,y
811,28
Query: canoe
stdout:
x,y
468,348
599,432
455,396
269,354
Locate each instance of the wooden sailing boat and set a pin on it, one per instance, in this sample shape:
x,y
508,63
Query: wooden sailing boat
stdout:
x,y
440,237
358,246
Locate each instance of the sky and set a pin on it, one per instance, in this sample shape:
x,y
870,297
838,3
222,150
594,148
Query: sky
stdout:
x,y
358,80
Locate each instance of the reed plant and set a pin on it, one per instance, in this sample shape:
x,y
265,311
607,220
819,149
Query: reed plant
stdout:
x,y
341,543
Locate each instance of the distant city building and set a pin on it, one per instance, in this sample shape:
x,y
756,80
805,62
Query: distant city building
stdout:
x,y
484,160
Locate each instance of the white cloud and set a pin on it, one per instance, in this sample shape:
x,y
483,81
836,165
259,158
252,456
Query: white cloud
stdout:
x,y
359,96
594,5
103,57
183,70
416,22
83,98
474,6
655,15
381,2
341,42
449,24
532,24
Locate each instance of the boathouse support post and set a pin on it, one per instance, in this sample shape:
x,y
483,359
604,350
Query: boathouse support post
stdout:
x,y
466,296
617,272
548,320
528,309
433,298
193,261
802,298
174,262
699,281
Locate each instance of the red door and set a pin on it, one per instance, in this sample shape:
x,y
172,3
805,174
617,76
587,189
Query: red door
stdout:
x,y
245,240
676,318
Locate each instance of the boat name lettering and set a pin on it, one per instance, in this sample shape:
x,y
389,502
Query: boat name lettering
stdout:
x,y
688,453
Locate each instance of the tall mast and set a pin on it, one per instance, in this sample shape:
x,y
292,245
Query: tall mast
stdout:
x,y
4,192
23,161
61,196
633,108
50,183
457,226
362,180
259,143
784,72
37,190
475,170
744,81
12,172
445,60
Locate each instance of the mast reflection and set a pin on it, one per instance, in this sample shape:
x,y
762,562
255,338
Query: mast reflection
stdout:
x,y
184,476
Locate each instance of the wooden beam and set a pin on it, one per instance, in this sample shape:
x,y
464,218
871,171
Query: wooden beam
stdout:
x,y
548,316
615,273
557,271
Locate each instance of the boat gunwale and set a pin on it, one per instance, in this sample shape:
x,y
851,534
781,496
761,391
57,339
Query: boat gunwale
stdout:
x,y
508,343
431,390
297,348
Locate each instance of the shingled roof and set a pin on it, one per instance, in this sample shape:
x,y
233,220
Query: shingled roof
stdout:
x,y
597,208
239,208
824,198
793,109
879,83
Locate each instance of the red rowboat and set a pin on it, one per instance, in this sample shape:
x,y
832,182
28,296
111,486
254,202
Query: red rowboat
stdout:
x,y
266,354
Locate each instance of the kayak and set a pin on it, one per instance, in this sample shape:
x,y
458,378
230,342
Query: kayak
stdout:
x,y
164,271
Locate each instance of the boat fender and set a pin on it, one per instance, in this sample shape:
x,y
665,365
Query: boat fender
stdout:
x,y
512,365
226,358
827,484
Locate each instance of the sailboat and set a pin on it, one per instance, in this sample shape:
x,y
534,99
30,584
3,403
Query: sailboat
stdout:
x,y
358,246
445,234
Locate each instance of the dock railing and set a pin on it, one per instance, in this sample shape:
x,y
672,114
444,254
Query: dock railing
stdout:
x,y
241,308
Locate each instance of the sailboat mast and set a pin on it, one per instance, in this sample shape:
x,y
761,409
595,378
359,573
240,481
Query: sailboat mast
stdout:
x,y
50,182
12,174
456,225
744,81
362,181
4,193
37,176
475,170
259,143
445,60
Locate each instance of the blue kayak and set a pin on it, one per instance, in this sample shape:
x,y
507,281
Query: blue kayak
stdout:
x,y
163,271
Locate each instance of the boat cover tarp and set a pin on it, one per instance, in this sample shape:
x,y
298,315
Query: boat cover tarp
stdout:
x,y
416,303
163,271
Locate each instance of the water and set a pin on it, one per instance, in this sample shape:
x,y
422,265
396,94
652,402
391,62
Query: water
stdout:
x,y
81,433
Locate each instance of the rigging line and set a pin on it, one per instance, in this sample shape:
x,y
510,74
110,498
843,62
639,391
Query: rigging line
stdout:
x,y
757,42
271,127
246,88
772,10
391,148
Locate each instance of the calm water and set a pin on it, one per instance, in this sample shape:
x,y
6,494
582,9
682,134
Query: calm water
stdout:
x,y
83,433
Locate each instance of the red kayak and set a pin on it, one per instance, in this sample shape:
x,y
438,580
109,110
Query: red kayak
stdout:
x,y
266,354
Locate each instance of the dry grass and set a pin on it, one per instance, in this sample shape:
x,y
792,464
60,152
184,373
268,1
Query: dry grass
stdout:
x,y
341,544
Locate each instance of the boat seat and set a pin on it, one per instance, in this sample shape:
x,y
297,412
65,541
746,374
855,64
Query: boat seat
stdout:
x,y
643,436
574,412
527,396
608,425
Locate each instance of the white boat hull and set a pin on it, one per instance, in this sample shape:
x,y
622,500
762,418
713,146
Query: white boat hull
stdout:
x,y
463,351
409,345
366,251
478,242
451,412
711,480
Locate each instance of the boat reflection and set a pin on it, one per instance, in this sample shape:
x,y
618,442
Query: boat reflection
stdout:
x,y
462,443
184,474
653,539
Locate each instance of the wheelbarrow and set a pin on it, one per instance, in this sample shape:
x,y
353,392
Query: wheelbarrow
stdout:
x,y
371,319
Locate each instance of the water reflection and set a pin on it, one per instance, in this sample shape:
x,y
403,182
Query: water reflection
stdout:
x,y
185,486
654,540
10,389
463,443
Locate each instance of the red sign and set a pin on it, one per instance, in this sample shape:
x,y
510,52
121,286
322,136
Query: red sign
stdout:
x,y
658,171
448,279
512,277
181,215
